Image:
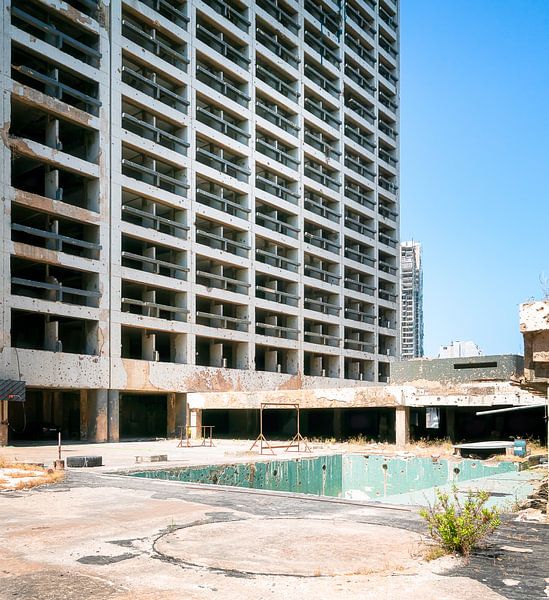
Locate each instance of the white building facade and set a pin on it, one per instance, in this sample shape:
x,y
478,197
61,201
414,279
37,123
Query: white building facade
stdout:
x,y
196,196
411,300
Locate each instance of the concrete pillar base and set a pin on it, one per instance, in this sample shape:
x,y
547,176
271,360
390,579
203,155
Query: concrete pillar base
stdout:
x,y
402,426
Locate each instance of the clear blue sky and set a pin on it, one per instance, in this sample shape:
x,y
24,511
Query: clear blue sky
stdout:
x,y
475,162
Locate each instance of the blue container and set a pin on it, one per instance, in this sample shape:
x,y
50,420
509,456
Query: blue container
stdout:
x,y
519,448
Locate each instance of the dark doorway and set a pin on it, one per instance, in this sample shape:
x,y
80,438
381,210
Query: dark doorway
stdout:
x,y
143,416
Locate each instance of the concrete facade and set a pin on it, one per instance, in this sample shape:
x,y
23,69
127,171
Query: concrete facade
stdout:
x,y
534,325
411,301
196,196
459,349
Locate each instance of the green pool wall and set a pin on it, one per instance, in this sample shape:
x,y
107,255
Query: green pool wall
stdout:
x,y
351,476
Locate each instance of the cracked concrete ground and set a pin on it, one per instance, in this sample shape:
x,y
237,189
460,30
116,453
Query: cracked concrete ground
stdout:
x,y
107,536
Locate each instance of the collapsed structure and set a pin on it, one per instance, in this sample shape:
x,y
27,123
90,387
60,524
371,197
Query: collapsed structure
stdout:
x,y
197,196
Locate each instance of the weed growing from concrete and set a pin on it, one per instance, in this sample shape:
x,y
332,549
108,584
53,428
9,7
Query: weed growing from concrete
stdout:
x,y
458,526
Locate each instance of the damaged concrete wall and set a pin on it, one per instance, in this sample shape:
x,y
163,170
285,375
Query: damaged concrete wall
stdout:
x,y
502,367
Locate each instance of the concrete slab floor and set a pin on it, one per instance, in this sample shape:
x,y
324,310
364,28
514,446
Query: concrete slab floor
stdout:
x,y
105,536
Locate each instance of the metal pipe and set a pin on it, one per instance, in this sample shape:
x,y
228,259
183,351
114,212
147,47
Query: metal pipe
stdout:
x,y
500,410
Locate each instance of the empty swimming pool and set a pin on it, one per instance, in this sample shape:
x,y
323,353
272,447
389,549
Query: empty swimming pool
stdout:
x,y
351,476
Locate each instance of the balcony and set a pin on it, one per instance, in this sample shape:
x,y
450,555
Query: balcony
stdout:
x,y
153,258
322,302
367,113
282,15
168,49
320,269
222,43
322,174
366,54
387,240
360,253
388,185
275,255
388,102
322,238
363,22
276,220
319,45
273,113
223,199
284,86
359,136
148,169
387,157
153,215
360,77
235,16
322,206
359,194
276,150
222,121
154,85
45,25
152,127
316,107
385,211
388,47
359,282
327,18
322,81
359,165
387,130
388,19
220,237
321,333
359,311
222,83
170,9
54,81
385,72
276,185
276,325
222,160
270,39
323,143
53,284
357,223
148,301
221,315
214,274
275,290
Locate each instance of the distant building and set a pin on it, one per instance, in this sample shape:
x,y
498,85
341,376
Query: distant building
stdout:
x,y
459,350
411,306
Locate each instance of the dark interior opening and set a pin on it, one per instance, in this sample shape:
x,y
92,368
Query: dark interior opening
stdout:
x,y
143,416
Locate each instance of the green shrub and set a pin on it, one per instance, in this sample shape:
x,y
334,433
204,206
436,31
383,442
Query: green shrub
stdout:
x,y
460,527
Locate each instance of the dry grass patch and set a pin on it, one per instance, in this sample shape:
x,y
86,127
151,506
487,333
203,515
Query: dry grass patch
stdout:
x,y
18,476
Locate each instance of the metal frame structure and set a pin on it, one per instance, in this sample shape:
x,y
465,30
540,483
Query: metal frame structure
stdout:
x,y
295,442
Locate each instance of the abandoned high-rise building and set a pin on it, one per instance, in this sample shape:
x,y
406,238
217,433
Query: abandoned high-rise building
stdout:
x,y
197,195
411,306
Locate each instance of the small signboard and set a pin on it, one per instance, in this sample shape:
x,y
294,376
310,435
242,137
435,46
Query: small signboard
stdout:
x,y
12,391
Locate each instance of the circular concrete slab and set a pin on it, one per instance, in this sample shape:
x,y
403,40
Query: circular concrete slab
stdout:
x,y
305,547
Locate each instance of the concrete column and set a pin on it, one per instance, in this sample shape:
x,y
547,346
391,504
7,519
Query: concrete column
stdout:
x,y
98,410
195,415
3,423
114,416
84,415
402,426
177,413
337,424
451,423
170,425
